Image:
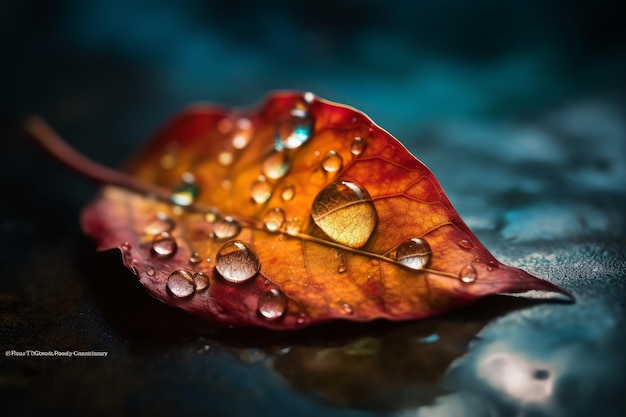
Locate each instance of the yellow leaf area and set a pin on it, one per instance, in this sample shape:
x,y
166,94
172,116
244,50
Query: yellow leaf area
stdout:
x,y
309,199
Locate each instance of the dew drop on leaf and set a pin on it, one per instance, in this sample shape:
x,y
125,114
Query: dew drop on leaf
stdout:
x,y
345,212
241,137
226,228
347,308
358,146
332,162
180,284
161,224
236,262
164,245
294,131
276,165
150,271
413,253
272,304
274,219
187,191
288,192
468,274
261,190
201,281
465,244
195,258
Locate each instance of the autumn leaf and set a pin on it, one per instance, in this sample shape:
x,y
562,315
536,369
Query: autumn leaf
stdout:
x,y
300,212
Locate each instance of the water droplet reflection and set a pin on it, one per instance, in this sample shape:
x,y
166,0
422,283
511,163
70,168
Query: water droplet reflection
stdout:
x,y
201,281
236,262
272,304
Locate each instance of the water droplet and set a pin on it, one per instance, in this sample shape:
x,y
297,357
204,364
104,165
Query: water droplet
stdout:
x,y
301,319
345,212
308,97
342,268
274,219
261,190
413,253
288,192
225,158
236,262
150,271
187,191
294,131
347,308
195,258
293,226
468,274
332,162
201,281
358,146
164,245
159,225
180,284
226,228
276,164
241,138
465,244
272,304
125,246
212,216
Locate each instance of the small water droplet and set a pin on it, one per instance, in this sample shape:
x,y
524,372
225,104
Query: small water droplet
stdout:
x,y
347,308
261,190
413,253
164,245
308,97
272,304
276,164
159,225
332,162
468,274
180,284
187,191
465,244
241,138
293,226
294,131
274,219
226,228
358,146
236,262
195,258
345,212
125,246
212,216
150,271
201,281
288,192
342,268
225,158
301,319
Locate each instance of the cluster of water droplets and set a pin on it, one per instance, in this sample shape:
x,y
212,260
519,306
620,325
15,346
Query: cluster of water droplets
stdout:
x,y
183,284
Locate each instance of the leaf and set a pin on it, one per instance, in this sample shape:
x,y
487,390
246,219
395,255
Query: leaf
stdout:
x,y
301,212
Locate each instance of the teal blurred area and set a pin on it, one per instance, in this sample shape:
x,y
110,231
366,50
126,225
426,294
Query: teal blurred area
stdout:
x,y
518,108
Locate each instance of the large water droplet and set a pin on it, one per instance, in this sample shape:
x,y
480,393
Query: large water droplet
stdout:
x,y
276,165
236,262
332,162
272,304
468,274
413,253
201,281
261,190
180,284
187,191
288,192
274,219
159,225
164,245
358,146
294,131
226,228
345,212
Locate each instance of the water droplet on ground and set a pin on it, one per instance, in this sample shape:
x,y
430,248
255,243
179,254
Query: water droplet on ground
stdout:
x,y
261,190
164,245
358,146
180,284
201,281
345,212
274,219
236,262
468,274
413,253
272,304
187,191
332,162
226,228
276,165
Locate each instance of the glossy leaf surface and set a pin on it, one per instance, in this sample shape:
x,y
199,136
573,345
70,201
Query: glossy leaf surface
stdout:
x,y
298,212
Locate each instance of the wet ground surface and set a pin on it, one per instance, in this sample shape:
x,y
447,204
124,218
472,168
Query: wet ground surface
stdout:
x,y
534,162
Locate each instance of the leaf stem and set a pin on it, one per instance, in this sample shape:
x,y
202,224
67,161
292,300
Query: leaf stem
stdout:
x,y
45,136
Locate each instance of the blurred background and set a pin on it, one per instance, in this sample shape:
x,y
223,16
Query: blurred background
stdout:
x,y
519,108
